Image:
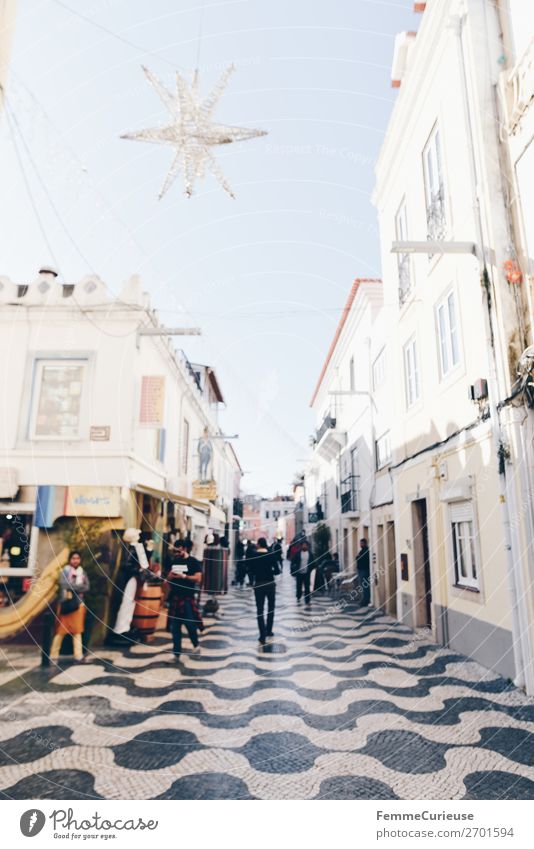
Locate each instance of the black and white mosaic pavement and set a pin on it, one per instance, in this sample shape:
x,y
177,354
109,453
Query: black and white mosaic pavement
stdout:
x,y
344,704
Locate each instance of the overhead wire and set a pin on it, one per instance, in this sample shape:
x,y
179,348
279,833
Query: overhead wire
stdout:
x,y
115,35
14,125
73,154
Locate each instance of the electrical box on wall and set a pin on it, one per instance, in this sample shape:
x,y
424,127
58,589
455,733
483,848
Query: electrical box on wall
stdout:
x,y
478,391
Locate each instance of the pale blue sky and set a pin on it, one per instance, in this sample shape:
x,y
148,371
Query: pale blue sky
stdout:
x,y
265,275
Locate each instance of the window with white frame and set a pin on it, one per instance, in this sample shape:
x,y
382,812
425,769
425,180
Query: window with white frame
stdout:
x,y
352,384
57,398
447,327
379,369
411,373
403,260
434,187
464,551
383,450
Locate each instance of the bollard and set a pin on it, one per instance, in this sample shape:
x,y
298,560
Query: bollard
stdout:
x,y
48,632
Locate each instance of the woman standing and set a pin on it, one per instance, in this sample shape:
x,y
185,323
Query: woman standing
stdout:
x,y
73,583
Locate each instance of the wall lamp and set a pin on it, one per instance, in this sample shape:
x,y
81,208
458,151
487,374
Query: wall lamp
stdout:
x,y
435,247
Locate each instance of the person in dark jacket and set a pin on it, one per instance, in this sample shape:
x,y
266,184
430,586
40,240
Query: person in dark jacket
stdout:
x,y
363,565
249,553
241,566
276,549
301,568
184,580
262,570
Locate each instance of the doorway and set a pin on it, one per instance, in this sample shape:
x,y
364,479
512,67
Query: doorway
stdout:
x,y
15,533
391,600
423,582
380,578
345,558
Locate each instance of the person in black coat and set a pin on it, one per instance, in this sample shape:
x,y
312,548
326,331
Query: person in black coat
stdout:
x,y
301,567
249,553
263,567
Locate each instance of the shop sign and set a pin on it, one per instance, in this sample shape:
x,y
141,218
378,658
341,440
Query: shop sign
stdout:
x,y
9,482
205,490
97,501
151,413
99,433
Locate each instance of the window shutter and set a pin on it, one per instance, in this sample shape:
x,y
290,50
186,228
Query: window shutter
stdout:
x,y
462,511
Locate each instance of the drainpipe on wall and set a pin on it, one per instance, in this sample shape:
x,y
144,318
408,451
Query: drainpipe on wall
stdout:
x,y
371,541
521,648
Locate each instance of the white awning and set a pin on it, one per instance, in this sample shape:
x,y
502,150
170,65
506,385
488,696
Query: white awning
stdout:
x,y
172,496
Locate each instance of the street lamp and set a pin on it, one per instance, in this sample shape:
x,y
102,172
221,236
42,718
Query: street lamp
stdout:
x,y
166,331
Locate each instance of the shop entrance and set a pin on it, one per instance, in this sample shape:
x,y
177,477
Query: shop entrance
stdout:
x,y
423,583
15,531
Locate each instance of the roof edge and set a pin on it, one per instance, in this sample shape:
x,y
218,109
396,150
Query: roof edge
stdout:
x,y
344,316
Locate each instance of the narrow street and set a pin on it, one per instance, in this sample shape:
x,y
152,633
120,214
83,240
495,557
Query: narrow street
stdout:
x,y
343,705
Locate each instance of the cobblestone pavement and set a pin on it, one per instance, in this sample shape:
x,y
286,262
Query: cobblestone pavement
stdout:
x,y
344,704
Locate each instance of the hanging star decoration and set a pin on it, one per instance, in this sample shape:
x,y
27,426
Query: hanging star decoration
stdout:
x,y
192,132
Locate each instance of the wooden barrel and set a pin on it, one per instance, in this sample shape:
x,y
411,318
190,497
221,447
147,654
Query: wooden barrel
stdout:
x,y
147,607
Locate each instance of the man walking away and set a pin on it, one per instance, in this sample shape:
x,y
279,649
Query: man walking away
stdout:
x,y
262,569
301,567
184,579
278,554
241,566
363,566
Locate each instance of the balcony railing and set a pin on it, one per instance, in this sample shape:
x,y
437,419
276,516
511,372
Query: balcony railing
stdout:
x,y
435,217
519,88
329,423
405,282
191,370
349,494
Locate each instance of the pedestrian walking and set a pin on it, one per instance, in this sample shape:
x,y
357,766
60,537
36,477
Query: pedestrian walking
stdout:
x,y
363,566
262,568
241,566
73,583
301,568
278,553
184,580
249,553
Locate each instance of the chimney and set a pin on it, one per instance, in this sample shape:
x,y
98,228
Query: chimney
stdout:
x,y
403,42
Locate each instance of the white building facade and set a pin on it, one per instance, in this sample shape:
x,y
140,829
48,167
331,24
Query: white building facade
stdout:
x,y
339,479
456,329
101,421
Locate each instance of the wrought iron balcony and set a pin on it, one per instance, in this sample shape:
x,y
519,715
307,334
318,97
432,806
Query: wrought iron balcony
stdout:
x,y
435,217
405,281
349,494
329,423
